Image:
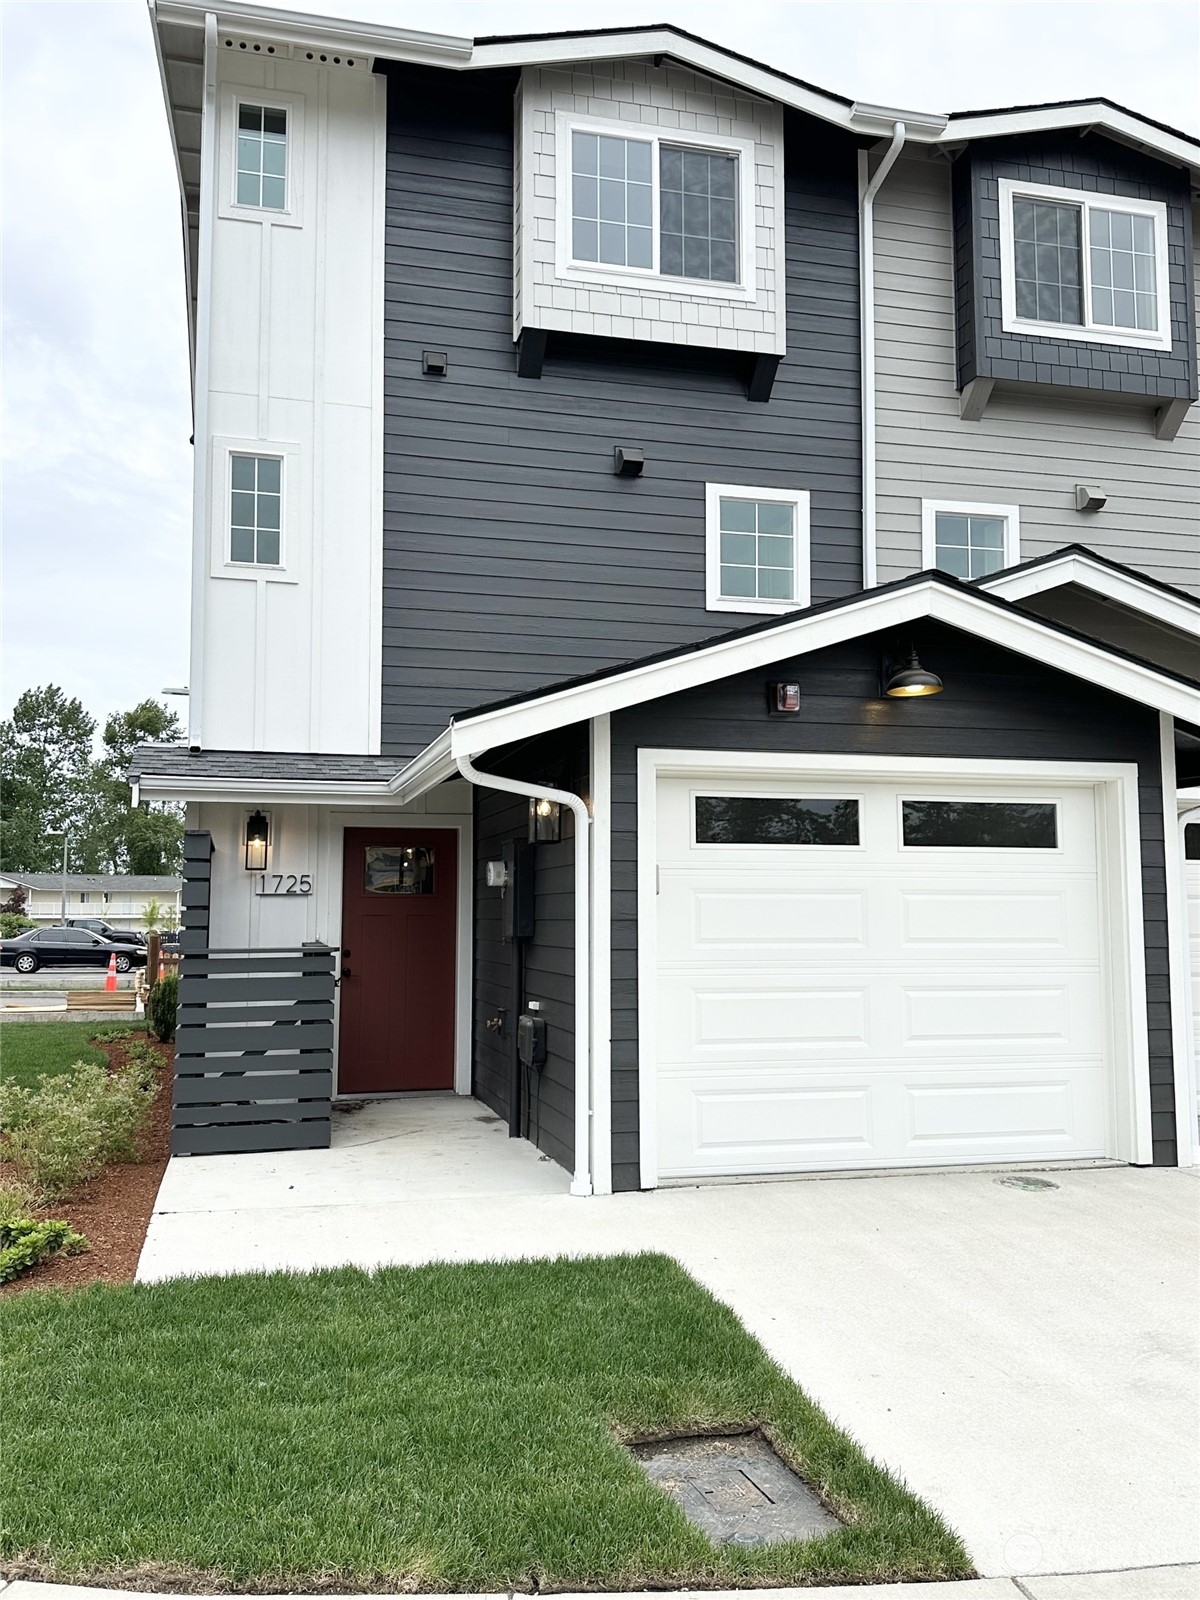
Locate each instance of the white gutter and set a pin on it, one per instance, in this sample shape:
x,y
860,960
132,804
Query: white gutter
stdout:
x,y
200,458
867,190
581,1182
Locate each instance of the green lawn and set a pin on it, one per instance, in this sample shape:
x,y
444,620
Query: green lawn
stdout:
x,y
29,1049
443,1427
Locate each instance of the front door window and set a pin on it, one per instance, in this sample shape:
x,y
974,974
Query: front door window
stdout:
x,y
398,870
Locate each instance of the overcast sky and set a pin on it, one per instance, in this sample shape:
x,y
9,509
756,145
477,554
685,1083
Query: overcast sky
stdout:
x,y
97,466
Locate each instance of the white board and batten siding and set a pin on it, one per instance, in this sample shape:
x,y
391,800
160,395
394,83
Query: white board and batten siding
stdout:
x,y
289,657
1026,450
877,1005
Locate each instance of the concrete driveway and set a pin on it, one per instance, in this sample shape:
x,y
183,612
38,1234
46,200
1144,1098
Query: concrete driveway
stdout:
x,y
1028,1360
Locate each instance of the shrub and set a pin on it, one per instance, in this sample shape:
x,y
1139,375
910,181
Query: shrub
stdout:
x,y
162,1006
24,1242
16,1201
12,923
143,1061
70,1127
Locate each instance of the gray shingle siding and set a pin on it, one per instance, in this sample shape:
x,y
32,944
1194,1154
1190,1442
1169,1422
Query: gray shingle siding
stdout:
x,y
1096,166
996,706
512,555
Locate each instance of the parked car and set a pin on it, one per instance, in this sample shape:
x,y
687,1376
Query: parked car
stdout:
x,y
106,930
67,947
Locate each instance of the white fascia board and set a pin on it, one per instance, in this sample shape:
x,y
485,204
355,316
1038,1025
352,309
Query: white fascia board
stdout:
x,y
425,771
331,33
957,608
265,791
1126,589
1092,115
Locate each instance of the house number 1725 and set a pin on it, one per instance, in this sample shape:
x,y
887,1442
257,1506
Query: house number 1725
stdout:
x,y
284,883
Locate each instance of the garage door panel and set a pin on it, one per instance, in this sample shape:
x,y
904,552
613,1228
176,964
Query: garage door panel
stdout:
x,y
876,1005
1051,1114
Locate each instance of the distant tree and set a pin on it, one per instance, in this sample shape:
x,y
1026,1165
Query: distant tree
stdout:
x,y
119,836
152,916
45,760
13,919
15,905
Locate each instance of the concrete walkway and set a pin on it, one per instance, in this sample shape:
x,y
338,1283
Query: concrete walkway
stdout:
x,y
1155,1583
1027,1360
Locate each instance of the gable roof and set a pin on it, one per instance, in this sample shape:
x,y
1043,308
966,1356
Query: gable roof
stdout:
x,y
1075,563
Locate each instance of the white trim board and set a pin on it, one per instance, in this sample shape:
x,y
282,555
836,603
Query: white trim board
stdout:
x,y
942,600
1120,875
1126,588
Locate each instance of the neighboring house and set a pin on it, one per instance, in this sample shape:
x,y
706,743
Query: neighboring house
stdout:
x,y
590,427
119,899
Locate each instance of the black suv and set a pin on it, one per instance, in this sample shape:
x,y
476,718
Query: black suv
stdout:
x,y
106,930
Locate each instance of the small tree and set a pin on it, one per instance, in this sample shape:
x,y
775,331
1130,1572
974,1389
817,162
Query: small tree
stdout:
x,y
12,914
152,916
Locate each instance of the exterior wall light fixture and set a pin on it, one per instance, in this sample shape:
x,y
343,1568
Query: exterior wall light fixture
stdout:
x,y
545,821
910,682
258,837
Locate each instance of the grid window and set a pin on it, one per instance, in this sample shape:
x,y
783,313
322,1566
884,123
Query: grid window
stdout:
x,y
969,545
758,550
1048,256
1124,270
698,214
262,157
611,200
255,500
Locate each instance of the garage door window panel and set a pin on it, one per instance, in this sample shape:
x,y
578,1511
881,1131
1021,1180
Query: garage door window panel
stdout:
x,y
754,820
980,824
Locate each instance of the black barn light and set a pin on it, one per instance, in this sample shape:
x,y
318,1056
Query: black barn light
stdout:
x,y
912,681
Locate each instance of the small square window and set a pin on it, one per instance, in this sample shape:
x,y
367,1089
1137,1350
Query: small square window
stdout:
x,y
255,505
261,158
969,541
757,549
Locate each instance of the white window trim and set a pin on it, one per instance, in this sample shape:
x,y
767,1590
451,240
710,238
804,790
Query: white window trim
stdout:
x,y
1089,332
644,280
232,99
968,508
800,501
221,565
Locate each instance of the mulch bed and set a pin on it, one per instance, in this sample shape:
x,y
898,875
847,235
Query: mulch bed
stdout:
x,y
113,1210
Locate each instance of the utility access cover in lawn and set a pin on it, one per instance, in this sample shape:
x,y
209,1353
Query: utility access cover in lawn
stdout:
x,y
736,1488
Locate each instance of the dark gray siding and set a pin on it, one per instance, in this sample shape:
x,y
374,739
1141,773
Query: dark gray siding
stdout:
x,y
507,975
996,705
512,555
1097,166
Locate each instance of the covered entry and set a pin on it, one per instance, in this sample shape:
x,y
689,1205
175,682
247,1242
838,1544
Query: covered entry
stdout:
x,y
863,973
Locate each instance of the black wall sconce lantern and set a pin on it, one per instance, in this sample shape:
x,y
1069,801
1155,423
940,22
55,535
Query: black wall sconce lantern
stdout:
x,y
783,699
258,837
909,682
545,821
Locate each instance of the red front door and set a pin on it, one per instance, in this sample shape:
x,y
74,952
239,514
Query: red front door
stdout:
x,y
399,898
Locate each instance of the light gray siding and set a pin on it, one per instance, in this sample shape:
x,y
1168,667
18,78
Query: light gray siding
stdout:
x,y
1028,449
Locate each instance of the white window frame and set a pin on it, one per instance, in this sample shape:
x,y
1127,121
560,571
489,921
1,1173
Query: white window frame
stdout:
x,y
233,99
800,501
599,274
968,508
221,564
1089,332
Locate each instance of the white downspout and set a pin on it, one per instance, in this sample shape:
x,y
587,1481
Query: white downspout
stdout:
x,y
1188,1093
581,1182
867,190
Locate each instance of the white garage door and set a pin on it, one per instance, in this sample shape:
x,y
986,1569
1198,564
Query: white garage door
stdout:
x,y
871,975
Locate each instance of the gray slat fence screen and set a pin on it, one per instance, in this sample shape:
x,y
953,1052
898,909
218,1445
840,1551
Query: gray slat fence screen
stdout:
x,y
253,1038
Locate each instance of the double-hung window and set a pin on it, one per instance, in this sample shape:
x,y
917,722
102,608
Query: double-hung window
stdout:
x,y
1084,266
969,540
757,548
657,205
255,504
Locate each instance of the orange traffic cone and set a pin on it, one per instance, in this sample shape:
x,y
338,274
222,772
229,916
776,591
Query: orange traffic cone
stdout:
x,y
110,980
